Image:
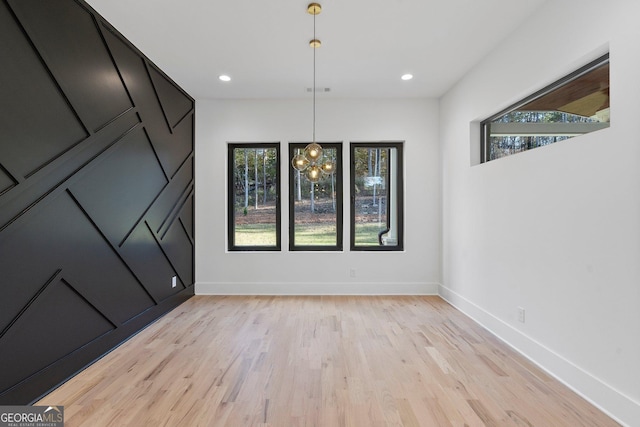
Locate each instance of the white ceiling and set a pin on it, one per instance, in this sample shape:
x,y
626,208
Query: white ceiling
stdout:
x,y
366,45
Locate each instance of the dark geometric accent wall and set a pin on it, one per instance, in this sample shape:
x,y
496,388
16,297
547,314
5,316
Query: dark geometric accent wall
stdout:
x,y
96,193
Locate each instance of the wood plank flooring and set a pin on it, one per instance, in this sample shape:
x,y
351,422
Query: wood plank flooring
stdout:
x,y
317,361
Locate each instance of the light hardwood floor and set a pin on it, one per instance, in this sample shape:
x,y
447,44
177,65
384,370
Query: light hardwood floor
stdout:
x,y
317,361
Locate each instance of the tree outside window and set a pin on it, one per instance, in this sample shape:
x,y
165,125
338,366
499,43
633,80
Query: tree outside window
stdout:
x,y
376,196
315,209
572,106
254,196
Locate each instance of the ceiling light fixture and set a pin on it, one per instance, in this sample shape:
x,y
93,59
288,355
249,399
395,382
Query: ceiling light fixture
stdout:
x,y
310,161
407,76
224,78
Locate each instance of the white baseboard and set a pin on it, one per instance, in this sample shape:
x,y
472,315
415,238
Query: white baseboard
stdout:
x,y
618,406
350,288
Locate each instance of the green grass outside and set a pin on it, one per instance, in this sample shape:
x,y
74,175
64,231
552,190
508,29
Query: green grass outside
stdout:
x,y
367,233
255,235
306,235
315,235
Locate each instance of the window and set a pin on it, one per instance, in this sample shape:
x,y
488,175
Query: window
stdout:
x,y
376,196
572,106
254,197
315,210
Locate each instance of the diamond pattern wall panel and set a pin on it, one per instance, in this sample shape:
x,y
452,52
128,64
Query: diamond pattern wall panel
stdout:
x,y
172,148
96,193
68,40
39,131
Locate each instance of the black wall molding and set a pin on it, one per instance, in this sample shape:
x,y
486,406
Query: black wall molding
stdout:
x,y
96,193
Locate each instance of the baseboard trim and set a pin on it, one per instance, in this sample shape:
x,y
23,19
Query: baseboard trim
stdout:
x,y
618,406
310,288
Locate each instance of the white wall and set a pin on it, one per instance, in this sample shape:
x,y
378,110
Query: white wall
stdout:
x,y
555,230
416,270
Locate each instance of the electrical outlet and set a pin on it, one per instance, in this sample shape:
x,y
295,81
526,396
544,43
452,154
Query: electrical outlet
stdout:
x,y
174,281
520,314
352,272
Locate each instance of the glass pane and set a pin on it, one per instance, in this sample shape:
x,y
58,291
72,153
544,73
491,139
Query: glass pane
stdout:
x,y
572,107
255,197
371,195
524,130
316,207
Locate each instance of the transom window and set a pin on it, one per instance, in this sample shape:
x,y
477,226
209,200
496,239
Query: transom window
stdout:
x,y
572,106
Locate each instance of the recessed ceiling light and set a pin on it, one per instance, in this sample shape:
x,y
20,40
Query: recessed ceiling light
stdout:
x,y
407,76
224,78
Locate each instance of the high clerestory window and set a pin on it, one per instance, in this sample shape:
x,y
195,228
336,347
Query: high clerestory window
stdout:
x,y
572,106
254,197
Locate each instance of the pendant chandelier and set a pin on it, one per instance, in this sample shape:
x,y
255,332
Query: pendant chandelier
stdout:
x,y
311,160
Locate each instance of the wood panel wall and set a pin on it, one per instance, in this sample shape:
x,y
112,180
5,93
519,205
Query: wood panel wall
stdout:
x,y
96,193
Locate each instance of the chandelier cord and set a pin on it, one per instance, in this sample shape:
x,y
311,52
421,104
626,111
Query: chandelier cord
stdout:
x,y
314,80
